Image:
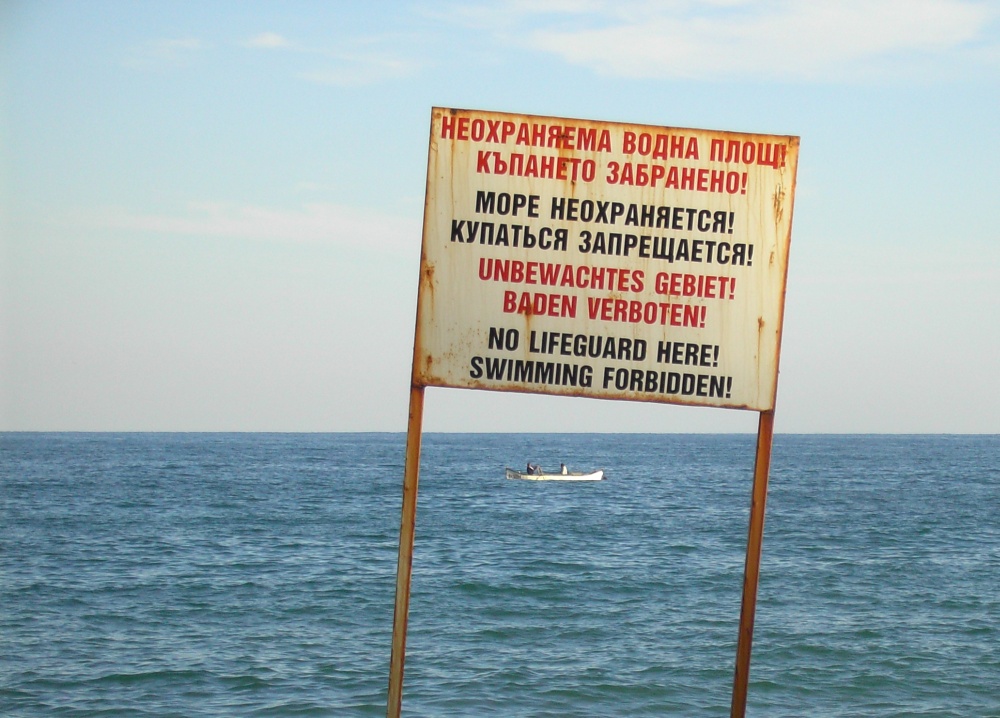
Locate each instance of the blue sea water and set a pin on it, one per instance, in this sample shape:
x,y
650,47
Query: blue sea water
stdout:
x,y
254,575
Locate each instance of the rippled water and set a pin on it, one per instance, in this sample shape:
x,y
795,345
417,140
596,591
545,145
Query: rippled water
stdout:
x,y
254,574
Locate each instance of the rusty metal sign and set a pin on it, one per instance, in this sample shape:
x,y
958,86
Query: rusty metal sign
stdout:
x,y
601,259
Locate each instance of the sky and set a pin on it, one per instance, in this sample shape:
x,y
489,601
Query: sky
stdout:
x,y
210,212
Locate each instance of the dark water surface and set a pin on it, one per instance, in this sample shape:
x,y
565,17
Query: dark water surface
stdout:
x,y
254,575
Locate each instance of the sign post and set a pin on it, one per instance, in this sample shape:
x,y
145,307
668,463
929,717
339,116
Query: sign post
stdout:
x,y
407,524
751,571
604,260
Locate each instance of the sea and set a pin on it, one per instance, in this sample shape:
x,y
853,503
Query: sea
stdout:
x,y
186,575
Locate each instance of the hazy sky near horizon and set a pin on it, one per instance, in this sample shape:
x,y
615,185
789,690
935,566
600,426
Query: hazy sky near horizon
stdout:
x,y
210,212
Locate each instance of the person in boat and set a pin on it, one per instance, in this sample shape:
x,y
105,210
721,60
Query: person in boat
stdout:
x,y
533,469
563,470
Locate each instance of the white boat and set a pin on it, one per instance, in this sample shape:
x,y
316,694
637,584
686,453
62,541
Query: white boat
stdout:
x,y
568,476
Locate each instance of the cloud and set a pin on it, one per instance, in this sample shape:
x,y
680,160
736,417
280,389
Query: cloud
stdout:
x,y
311,223
710,39
267,41
514,13
166,52
359,70
355,62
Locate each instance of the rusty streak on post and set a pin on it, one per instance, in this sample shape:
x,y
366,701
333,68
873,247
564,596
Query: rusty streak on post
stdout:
x,y
751,572
411,475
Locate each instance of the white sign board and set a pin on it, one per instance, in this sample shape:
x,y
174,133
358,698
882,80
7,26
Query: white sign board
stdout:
x,y
603,259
